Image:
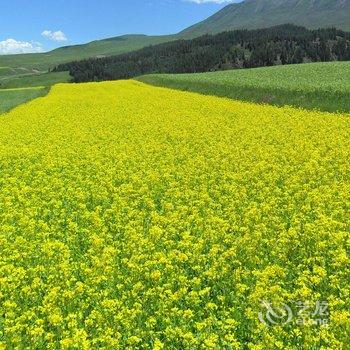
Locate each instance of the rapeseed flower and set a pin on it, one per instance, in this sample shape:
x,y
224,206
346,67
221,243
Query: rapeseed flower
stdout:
x,y
135,217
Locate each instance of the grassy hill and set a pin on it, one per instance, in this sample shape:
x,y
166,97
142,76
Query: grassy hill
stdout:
x,y
324,86
249,14
11,98
254,14
98,48
31,70
32,80
24,85
11,71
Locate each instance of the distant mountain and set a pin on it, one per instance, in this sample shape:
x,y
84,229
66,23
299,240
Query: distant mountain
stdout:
x,y
250,14
254,14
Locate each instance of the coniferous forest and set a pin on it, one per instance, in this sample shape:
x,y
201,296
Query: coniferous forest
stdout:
x,y
285,44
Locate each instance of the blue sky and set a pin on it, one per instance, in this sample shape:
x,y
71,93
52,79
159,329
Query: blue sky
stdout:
x,y
41,25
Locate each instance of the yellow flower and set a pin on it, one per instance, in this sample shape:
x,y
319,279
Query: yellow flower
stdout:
x,y
158,345
155,275
140,217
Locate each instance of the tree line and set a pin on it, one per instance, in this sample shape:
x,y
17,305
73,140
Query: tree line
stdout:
x,y
284,44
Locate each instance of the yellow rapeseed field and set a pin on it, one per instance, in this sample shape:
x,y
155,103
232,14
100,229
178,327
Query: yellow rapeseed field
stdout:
x,y
135,217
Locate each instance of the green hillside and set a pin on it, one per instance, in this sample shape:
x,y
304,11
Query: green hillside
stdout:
x,y
32,80
324,86
21,87
249,14
7,71
98,48
13,97
25,70
254,14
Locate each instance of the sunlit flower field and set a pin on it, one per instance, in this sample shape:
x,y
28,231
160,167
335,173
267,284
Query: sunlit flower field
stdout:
x,y
135,217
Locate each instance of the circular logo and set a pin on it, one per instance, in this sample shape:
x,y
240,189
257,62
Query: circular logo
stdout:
x,y
280,314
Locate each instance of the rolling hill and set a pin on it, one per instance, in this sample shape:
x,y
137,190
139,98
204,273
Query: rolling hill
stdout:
x,y
28,70
249,14
11,98
98,48
254,14
283,44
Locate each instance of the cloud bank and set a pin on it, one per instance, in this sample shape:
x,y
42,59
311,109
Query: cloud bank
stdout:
x,y
12,46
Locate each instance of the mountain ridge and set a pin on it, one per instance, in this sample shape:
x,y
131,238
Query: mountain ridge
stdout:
x,y
249,14
255,14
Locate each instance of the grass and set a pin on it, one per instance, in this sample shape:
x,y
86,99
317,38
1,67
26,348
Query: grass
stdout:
x,y
106,47
11,98
18,89
32,80
5,71
323,86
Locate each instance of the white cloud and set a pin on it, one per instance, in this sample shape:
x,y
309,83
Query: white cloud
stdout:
x,y
55,36
12,46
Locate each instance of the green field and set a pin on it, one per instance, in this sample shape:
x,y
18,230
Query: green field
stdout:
x,y
20,88
323,86
32,80
13,97
6,72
